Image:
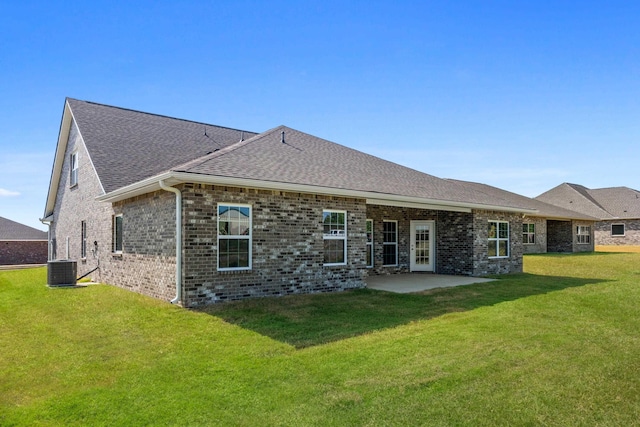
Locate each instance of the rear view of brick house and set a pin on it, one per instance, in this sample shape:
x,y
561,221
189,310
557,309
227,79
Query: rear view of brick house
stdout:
x,y
195,213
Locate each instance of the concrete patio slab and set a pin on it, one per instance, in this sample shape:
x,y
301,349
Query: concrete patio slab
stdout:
x,y
417,282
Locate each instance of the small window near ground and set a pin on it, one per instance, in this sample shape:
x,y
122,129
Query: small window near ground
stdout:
x,y
83,239
528,234
117,234
583,233
369,243
617,230
498,239
234,237
390,243
334,224
73,170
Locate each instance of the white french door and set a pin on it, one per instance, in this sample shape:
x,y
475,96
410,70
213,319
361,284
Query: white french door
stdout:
x,y
422,245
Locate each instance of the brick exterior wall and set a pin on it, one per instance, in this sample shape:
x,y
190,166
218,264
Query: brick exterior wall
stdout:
x,y
147,264
631,233
582,247
13,252
540,237
482,264
287,235
453,244
559,236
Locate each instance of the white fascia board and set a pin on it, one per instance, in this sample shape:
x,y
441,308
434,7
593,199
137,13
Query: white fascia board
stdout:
x,y
173,178
61,148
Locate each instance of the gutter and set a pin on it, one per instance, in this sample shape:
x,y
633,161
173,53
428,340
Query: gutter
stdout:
x,y
178,194
150,184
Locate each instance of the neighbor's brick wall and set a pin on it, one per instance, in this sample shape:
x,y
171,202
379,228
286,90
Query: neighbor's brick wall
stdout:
x,y
482,264
287,245
583,247
560,236
631,230
14,252
540,245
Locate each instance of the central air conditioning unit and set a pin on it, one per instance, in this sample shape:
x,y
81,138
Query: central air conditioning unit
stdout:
x,y
62,273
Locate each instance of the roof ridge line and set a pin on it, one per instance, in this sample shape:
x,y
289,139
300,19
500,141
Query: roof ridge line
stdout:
x,y
160,115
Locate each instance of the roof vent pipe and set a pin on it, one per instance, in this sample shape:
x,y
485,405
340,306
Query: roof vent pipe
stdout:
x,y
178,194
283,138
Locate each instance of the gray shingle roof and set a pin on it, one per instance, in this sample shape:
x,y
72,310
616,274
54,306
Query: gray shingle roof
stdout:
x,y
545,210
127,146
11,230
602,203
309,160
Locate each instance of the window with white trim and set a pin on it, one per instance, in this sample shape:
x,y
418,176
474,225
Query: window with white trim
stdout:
x,y
117,234
617,229
73,169
389,243
234,237
334,233
528,234
583,234
498,239
369,243
83,239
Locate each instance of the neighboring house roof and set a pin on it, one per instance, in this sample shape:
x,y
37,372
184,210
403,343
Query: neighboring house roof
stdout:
x,y
11,230
602,203
132,152
545,210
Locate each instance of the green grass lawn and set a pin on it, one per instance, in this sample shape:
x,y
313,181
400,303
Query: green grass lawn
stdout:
x,y
558,345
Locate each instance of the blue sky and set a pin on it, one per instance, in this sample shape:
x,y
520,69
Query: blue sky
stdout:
x,y
523,95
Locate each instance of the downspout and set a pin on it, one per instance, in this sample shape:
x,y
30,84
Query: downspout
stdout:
x,y
178,194
48,224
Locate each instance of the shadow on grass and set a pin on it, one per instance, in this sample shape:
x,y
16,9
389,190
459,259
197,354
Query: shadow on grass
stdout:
x,y
308,320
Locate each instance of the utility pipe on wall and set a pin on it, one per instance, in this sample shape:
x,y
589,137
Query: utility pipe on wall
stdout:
x,y
178,194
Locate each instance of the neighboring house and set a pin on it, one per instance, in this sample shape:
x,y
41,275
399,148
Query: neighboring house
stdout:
x,y
21,244
196,213
551,228
617,210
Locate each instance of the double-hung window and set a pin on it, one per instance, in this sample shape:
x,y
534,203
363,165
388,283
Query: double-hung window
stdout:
x,y
234,237
617,229
369,243
528,234
334,233
498,239
73,170
583,234
117,234
83,239
389,243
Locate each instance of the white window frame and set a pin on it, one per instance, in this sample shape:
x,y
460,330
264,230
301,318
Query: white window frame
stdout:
x,y
499,239
624,230
390,243
335,234
248,237
114,243
530,235
73,169
583,234
83,239
369,246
